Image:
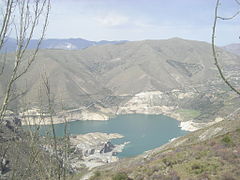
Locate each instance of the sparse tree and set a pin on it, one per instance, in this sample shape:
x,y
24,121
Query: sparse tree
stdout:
x,y
22,18
214,50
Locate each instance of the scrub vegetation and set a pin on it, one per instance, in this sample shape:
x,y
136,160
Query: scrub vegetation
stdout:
x,y
188,114
217,158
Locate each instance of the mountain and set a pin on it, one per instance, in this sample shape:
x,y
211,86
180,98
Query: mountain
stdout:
x,y
175,77
233,48
67,44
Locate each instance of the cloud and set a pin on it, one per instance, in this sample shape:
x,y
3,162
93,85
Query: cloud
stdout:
x,y
112,20
143,24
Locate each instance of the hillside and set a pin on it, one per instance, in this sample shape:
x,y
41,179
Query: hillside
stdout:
x,y
233,48
210,153
22,154
175,77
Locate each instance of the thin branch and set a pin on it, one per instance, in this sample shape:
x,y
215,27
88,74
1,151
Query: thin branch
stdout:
x,y
214,51
238,2
21,46
229,18
18,96
51,112
6,22
3,65
30,61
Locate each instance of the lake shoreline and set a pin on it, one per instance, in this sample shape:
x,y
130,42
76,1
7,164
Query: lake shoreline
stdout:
x,y
184,125
135,128
148,103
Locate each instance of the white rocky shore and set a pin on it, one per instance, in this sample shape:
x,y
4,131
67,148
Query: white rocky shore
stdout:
x,y
34,116
94,149
150,102
192,126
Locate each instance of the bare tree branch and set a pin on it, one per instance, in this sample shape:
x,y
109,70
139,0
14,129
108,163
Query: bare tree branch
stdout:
x,y
25,31
214,50
238,2
229,18
51,112
6,22
3,64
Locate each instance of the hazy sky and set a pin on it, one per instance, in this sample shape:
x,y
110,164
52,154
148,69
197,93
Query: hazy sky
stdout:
x,y
141,19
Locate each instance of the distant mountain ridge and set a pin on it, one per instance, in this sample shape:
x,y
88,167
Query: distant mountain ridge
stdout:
x,y
233,48
65,44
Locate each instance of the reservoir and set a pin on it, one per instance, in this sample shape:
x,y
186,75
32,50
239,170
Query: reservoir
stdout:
x,y
143,132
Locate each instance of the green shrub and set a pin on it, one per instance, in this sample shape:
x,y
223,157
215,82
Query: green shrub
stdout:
x,y
227,140
197,168
120,176
96,175
238,130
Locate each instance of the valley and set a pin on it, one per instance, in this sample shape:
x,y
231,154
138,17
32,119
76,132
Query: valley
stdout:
x,y
93,86
174,77
119,90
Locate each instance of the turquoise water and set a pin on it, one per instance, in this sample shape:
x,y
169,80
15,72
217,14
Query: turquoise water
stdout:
x,y
144,132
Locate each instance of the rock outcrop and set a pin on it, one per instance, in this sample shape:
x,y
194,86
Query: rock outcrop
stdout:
x,y
94,149
108,147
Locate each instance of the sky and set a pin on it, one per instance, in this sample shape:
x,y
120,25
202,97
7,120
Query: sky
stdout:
x,y
142,19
